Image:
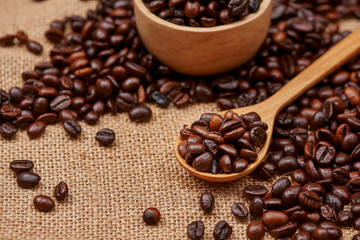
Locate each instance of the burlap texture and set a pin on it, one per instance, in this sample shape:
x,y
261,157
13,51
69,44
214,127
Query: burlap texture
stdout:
x,y
109,187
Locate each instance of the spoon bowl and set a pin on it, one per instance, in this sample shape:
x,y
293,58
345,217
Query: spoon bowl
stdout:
x,y
201,51
268,109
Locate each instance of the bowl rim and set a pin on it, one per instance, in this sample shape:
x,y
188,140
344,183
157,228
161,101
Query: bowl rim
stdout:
x,y
139,4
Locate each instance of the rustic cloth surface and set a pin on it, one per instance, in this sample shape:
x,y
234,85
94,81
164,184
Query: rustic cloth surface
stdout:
x,y
109,187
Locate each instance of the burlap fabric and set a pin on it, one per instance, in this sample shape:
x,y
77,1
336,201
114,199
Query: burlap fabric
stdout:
x,y
109,187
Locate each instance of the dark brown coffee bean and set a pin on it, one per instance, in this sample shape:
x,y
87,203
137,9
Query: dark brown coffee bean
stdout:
x,y
280,186
273,219
256,207
222,230
309,200
72,128
195,230
48,118
36,129
255,230
325,155
290,195
287,164
60,103
34,47
239,165
19,166
43,203
61,191
207,201
151,216
240,210
302,235
345,218
286,230
105,136
140,114
299,176
254,191
333,201
264,171
320,233
7,40
28,179
7,130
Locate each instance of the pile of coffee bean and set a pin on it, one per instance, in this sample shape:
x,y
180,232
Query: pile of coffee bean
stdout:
x,y
22,38
202,13
28,179
226,144
102,66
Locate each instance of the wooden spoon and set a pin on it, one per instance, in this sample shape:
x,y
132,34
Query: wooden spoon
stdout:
x,y
269,109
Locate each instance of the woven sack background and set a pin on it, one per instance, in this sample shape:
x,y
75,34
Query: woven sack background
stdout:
x,y
109,187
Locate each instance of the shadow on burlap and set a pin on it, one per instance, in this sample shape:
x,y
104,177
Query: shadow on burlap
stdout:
x,y
109,187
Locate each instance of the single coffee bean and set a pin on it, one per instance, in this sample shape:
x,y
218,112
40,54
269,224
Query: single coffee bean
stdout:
x,y
72,128
105,136
256,207
273,203
19,166
273,219
195,230
345,218
140,114
43,203
286,230
222,230
34,47
240,210
36,129
61,191
254,191
7,130
309,200
151,216
302,235
332,200
28,179
280,186
207,201
255,230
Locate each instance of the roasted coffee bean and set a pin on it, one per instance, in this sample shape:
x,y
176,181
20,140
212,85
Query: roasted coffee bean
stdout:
x,y
151,216
72,128
345,218
19,166
28,179
309,200
140,114
255,230
36,129
195,230
286,230
290,195
7,130
264,171
287,164
222,230
239,210
333,201
256,207
105,136
34,47
254,191
340,176
302,235
43,203
207,201
299,176
273,219
61,191
280,186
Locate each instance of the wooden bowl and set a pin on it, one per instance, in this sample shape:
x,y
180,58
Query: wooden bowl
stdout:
x,y
202,51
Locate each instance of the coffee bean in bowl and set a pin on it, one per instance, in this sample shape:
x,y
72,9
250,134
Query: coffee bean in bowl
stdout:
x,y
200,13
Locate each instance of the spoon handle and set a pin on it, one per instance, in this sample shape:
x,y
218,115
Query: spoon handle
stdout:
x,y
331,60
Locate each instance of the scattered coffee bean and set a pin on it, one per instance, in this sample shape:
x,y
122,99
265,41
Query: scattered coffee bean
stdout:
x,y
222,230
207,201
151,216
195,230
239,210
73,128
28,179
43,203
140,114
19,166
255,230
61,191
105,136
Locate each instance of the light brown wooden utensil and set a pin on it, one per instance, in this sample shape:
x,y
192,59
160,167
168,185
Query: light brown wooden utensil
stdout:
x,y
268,109
203,51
